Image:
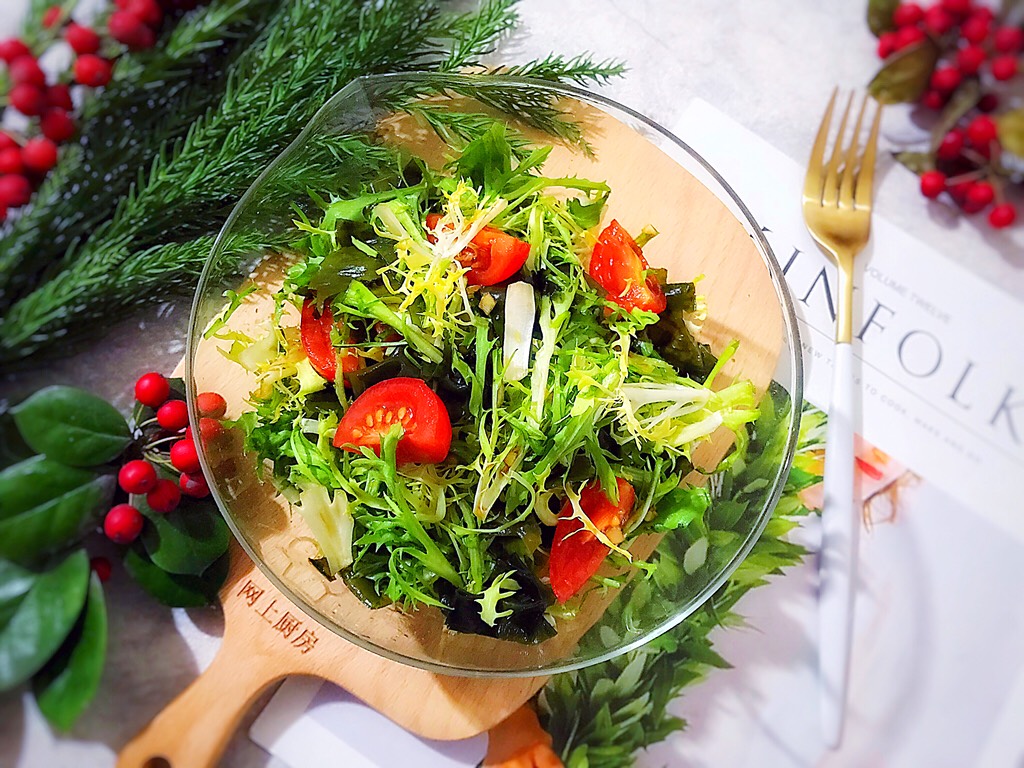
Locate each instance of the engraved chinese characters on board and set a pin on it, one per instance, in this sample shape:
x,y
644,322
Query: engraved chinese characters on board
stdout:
x,y
275,611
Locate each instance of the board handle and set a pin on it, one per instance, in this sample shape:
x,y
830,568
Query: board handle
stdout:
x,y
193,730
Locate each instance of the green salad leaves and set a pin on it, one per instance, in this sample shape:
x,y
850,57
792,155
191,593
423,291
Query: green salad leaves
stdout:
x,y
399,280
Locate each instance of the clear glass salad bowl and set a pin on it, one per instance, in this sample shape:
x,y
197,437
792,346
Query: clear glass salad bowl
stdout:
x,y
706,230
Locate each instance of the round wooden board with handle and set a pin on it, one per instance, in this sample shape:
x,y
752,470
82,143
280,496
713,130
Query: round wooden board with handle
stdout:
x,y
268,638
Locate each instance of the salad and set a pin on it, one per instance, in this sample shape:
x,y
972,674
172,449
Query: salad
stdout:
x,y
478,394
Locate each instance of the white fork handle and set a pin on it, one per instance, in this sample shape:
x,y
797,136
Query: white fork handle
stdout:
x,y
837,570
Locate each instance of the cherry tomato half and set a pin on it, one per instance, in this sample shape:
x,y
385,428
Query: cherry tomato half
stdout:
x,y
618,265
492,256
410,402
576,553
315,330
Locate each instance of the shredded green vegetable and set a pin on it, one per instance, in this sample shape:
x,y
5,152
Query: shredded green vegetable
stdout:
x,y
472,534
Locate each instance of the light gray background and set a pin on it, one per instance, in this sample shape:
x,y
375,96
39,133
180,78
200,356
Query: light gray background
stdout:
x,y
770,64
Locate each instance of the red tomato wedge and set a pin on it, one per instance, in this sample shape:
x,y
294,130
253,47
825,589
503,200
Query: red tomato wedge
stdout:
x,y
492,256
576,553
315,330
410,402
618,265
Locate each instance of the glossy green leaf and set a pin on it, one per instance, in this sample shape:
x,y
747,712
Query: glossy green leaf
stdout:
x,y
13,447
918,162
72,426
15,582
905,76
1011,131
177,591
962,101
186,540
54,524
35,481
880,15
43,620
69,681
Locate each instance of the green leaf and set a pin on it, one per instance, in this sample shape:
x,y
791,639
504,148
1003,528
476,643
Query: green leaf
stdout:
x,y
13,447
15,582
905,76
186,540
176,591
35,481
880,15
963,101
52,524
69,681
918,162
72,426
1011,130
681,507
43,619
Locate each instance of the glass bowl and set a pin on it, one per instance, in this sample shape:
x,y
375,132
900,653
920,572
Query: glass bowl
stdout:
x,y
655,178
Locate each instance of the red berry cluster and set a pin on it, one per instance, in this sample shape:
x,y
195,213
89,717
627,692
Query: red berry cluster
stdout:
x,y
124,522
25,160
974,47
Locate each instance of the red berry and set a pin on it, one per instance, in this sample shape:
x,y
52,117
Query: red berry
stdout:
x,y
194,485
123,524
982,131
970,59
164,497
980,195
39,155
82,39
127,28
908,36
951,146
3,213
886,44
907,14
15,191
148,10
26,69
93,70
7,141
10,160
1008,39
52,16
57,125
938,20
975,29
152,389
101,567
933,183
185,456
12,49
173,415
988,102
1002,216
59,96
137,476
211,404
983,12
957,7
28,99
946,78
209,430
1004,66
934,100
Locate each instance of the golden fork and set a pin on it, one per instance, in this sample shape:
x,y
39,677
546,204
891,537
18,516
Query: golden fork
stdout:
x,y
837,211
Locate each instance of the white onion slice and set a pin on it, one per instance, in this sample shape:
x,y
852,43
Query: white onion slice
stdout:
x,y
520,315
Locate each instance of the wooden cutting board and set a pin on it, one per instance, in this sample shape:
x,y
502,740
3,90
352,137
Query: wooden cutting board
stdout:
x,y
268,638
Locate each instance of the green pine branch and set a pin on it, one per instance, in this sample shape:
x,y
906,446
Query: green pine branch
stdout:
x,y
154,98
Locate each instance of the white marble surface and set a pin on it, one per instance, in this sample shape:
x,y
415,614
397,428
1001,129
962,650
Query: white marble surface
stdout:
x,y
770,64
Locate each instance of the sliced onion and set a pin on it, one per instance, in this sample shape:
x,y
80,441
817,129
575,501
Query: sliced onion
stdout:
x,y
520,315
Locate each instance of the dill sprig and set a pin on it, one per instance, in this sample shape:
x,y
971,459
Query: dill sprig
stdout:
x,y
155,96
306,53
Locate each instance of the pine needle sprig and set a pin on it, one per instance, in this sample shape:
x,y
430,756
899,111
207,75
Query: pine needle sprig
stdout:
x,y
154,98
